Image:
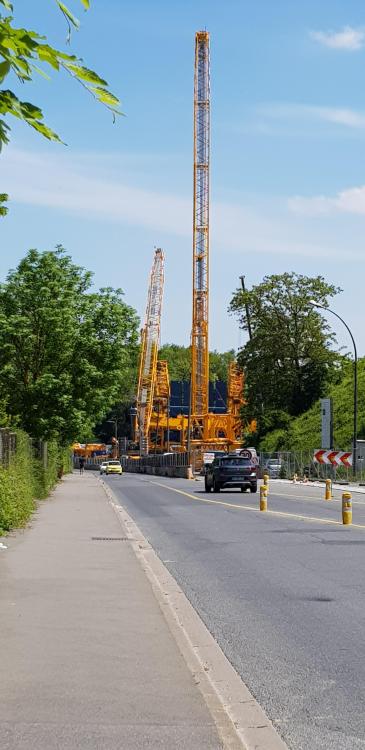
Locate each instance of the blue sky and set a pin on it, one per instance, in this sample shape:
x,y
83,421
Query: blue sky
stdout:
x,y
288,140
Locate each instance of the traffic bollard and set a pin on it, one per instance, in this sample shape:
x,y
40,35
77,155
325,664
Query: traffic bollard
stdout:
x,y
346,508
328,492
263,497
266,480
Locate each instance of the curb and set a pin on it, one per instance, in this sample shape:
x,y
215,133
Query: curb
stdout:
x,y
335,485
240,720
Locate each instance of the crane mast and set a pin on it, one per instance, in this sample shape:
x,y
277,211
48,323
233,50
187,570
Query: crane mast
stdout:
x,y
150,340
199,339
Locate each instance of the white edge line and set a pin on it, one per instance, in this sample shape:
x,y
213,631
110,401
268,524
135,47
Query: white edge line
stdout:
x,y
240,720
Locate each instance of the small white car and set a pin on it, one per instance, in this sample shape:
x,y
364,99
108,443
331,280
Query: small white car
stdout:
x,y
102,467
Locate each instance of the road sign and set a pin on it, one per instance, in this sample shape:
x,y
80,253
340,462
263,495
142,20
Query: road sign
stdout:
x,y
208,458
246,454
327,425
333,458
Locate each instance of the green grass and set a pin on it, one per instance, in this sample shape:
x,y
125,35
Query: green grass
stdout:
x,y
304,432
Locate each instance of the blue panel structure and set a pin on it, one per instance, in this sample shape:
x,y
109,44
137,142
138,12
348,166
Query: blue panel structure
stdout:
x,y
180,396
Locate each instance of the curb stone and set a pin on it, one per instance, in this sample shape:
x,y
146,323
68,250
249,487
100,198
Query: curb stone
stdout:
x,y
241,722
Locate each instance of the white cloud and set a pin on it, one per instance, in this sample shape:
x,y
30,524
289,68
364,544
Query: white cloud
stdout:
x,y
74,186
351,201
338,115
347,39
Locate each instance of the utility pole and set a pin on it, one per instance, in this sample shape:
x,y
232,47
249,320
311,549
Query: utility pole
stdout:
x,y
354,432
248,316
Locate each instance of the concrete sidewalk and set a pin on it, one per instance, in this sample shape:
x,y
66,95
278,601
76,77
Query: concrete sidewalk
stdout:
x,y
86,657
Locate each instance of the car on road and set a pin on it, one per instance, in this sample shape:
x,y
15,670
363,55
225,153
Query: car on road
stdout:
x,y
273,467
232,470
113,467
208,457
102,467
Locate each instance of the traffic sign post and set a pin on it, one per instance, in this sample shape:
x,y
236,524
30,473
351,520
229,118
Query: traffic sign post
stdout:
x,y
354,436
347,508
333,458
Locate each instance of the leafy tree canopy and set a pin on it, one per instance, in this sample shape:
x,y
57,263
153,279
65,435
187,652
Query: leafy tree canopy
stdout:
x,y
25,53
67,353
290,358
179,361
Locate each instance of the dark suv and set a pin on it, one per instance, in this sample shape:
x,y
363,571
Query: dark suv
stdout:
x,y
232,470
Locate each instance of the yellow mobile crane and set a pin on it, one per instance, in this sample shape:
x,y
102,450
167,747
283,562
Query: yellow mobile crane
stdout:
x,y
208,431
150,340
201,430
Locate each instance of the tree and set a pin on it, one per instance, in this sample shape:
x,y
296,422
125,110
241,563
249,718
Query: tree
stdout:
x,y
290,358
179,361
67,353
219,363
25,52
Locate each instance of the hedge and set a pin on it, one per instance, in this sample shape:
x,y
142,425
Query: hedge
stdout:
x,y
28,479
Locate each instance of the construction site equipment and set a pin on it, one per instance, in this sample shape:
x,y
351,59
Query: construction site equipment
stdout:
x,y
150,340
201,430
235,389
206,431
199,338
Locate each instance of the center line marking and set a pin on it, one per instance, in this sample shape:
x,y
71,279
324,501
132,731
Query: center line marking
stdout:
x,y
329,521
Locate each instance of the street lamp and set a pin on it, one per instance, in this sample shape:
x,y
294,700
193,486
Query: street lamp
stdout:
x,y
354,438
115,423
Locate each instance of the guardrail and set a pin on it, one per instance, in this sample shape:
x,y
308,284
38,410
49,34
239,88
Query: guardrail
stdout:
x,y
172,460
172,465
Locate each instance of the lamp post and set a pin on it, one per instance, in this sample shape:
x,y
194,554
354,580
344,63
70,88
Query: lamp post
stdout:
x,y
115,423
354,437
248,316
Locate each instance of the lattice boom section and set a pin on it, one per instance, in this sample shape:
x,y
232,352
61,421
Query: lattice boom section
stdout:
x,y
149,350
200,350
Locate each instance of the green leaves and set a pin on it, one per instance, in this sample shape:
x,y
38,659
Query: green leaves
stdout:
x,y
4,69
68,15
3,209
65,353
84,74
23,52
291,358
6,5
179,362
29,113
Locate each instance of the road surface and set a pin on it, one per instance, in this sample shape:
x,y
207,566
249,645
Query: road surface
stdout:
x,y
282,592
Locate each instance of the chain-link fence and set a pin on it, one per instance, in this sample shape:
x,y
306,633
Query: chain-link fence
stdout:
x,y
284,464
8,447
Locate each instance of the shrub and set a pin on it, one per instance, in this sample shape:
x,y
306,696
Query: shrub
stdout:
x,y
28,479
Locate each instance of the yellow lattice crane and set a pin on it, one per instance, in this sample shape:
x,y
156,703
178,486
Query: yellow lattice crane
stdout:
x,y
200,323
150,340
208,430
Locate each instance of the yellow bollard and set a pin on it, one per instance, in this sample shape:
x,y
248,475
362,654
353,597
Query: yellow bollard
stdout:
x,y
346,508
328,492
266,479
263,497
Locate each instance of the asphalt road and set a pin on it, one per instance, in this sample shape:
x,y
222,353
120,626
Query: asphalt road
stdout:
x,y
282,592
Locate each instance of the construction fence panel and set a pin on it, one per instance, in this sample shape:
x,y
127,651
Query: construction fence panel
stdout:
x,y
301,463
8,446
